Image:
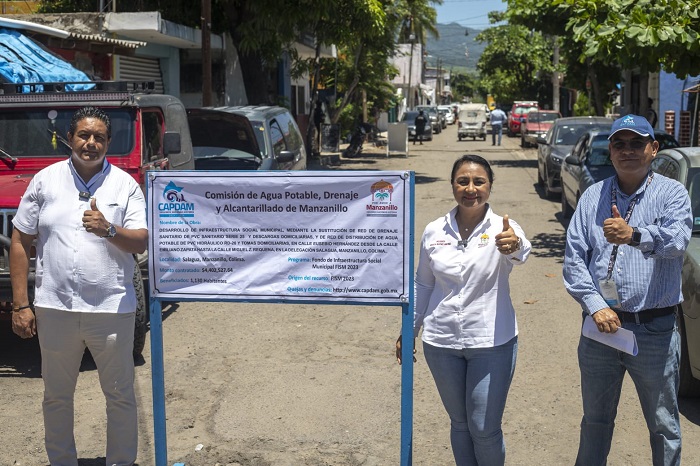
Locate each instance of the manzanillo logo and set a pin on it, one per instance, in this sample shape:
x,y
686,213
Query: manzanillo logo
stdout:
x,y
175,205
382,205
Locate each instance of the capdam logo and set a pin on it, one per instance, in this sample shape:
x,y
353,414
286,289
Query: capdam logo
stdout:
x,y
175,204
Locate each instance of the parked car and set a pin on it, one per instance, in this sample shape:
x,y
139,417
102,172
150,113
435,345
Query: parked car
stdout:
x,y
518,112
472,122
435,117
280,143
448,113
683,164
589,163
224,141
410,119
553,148
536,125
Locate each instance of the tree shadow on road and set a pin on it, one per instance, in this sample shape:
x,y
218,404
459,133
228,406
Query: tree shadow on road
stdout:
x,y
514,163
549,244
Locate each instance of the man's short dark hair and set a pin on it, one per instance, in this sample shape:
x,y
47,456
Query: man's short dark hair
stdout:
x,y
90,112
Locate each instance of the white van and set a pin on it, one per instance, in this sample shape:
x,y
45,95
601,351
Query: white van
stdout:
x,y
472,121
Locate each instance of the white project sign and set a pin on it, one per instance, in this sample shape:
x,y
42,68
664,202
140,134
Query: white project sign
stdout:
x,y
280,236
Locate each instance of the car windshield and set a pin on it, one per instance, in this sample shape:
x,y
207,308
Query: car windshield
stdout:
x,y
694,192
666,141
523,110
431,110
43,132
537,117
599,154
568,134
410,117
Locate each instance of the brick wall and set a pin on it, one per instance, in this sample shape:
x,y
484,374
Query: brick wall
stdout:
x,y
670,123
684,130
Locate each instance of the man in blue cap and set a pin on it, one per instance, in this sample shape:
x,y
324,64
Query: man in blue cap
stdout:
x,y
623,261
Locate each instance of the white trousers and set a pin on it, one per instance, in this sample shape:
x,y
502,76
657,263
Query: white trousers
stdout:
x,y
63,337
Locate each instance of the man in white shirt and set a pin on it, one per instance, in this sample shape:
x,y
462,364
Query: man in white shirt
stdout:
x,y
88,219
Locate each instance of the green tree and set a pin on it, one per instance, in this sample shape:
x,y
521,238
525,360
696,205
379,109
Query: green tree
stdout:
x,y
550,18
604,35
516,63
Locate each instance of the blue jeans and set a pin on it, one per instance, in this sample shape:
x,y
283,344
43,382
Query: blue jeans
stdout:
x,y
654,372
496,129
473,384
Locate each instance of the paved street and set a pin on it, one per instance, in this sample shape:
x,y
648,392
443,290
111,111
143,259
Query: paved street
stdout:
x,y
273,384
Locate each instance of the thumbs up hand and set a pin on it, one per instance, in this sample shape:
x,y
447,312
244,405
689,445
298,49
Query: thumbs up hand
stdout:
x,y
507,241
615,228
93,220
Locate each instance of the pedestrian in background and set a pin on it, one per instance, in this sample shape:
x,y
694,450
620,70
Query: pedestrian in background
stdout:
x,y
88,218
498,119
463,304
651,114
623,261
421,121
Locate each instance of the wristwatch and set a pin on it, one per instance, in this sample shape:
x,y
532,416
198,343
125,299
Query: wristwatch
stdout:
x,y
636,237
111,231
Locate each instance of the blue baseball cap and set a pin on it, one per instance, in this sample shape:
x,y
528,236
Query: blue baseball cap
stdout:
x,y
634,123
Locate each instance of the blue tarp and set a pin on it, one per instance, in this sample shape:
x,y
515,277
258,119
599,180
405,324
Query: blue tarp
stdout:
x,y
24,61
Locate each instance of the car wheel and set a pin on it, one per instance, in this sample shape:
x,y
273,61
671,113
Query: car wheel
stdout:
x,y
459,138
689,386
566,210
540,181
483,138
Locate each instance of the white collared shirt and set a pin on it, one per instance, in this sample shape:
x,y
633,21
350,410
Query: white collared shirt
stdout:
x,y
76,270
462,292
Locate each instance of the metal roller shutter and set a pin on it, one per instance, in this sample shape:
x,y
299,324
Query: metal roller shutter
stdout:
x,y
140,69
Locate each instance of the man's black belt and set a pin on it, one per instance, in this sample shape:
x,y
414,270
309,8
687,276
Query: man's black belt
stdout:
x,y
645,316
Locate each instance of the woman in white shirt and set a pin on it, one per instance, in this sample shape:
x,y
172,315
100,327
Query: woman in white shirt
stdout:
x,y
463,304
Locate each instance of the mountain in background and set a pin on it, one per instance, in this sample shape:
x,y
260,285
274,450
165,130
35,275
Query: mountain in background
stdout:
x,y
452,45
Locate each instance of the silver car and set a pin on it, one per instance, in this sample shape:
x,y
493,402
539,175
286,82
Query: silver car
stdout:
x,y
683,164
589,163
556,145
281,143
410,119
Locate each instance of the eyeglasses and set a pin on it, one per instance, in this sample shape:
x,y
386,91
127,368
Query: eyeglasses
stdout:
x,y
634,144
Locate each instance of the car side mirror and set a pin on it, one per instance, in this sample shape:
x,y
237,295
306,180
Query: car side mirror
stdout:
x,y
541,140
286,156
572,160
171,143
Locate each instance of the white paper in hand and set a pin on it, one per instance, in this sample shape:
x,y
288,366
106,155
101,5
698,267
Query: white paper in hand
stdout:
x,y
623,339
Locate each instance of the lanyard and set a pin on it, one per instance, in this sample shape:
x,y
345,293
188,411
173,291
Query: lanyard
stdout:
x,y
628,215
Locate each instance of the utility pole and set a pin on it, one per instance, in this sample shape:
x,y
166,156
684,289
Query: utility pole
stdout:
x,y
409,101
438,83
206,53
555,76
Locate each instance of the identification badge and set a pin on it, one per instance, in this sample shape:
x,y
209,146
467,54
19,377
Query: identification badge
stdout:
x,y
608,289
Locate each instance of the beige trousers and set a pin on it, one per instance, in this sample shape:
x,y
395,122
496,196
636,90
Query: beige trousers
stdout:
x,y
63,337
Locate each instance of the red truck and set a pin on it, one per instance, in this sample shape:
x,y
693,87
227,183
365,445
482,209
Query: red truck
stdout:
x,y
149,132
517,113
